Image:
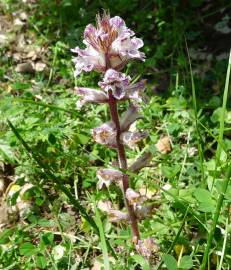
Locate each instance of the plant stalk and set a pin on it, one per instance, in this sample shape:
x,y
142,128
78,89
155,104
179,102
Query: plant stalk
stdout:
x,y
123,165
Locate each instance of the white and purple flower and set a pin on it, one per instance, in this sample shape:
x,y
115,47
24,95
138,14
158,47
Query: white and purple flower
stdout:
x,y
89,95
108,45
107,176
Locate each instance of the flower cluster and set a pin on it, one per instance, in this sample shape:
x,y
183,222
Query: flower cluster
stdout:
x,y
109,47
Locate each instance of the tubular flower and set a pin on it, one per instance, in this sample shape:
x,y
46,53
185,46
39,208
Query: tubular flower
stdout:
x,y
107,176
133,197
87,95
129,117
117,216
109,44
120,85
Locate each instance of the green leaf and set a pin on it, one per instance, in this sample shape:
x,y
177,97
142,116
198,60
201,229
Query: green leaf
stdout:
x,y
41,262
141,261
170,262
27,249
170,171
83,138
202,195
5,236
186,262
5,152
206,203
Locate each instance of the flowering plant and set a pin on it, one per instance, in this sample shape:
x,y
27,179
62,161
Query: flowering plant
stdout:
x,y
109,47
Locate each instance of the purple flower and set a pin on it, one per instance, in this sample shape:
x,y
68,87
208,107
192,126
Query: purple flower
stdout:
x,y
120,85
107,176
116,216
147,247
105,134
108,45
133,197
116,82
90,95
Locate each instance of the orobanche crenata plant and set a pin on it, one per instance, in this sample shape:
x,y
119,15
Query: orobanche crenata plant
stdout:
x,y
109,47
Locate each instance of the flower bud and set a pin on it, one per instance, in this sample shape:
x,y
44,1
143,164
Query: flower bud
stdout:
x,y
142,162
144,211
129,117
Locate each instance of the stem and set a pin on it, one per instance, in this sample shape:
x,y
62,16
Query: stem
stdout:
x,y
123,165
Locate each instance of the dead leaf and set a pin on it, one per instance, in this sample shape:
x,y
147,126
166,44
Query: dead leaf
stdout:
x,y
4,218
164,145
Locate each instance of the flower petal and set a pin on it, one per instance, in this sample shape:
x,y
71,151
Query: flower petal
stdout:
x,y
115,81
133,91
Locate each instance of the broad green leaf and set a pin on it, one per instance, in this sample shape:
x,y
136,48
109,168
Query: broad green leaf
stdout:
x,y
141,261
170,262
204,198
186,262
27,249
5,236
6,152
41,262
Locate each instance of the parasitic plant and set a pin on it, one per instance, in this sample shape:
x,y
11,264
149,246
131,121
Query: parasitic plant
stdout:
x,y
109,47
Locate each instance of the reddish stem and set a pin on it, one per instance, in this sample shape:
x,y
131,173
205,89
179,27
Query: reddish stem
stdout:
x,y
123,165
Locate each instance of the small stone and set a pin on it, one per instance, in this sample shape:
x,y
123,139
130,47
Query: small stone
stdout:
x,y
39,66
25,68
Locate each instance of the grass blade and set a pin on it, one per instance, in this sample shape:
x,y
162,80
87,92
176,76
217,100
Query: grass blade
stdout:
x,y
199,138
226,181
102,238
